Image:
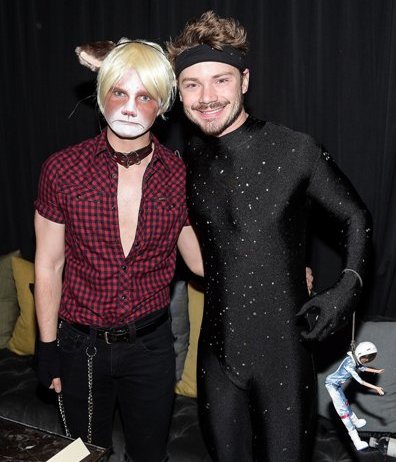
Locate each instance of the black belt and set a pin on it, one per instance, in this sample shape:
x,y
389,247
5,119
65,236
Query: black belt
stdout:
x,y
126,333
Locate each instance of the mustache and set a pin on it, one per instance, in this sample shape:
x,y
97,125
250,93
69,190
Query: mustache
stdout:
x,y
209,106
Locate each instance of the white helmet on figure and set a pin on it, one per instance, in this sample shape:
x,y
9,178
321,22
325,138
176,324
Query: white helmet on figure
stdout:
x,y
366,349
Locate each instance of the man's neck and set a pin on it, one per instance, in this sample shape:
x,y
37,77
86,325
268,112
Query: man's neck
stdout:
x,y
239,121
127,145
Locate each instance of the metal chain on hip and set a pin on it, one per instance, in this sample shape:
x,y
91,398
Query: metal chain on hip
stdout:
x,y
90,388
60,404
63,415
90,397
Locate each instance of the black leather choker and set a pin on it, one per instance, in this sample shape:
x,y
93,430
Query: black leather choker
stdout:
x,y
130,158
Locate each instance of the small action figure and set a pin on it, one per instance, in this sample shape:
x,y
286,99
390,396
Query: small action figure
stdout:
x,y
350,366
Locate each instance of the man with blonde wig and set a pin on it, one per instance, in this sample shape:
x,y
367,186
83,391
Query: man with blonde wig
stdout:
x,y
248,185
110,212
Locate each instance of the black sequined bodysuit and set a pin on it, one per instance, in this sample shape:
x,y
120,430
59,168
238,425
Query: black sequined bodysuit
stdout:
x,y
247,194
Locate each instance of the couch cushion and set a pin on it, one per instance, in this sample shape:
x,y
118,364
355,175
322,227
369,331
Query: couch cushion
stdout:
x,y
180,323
21,397
8,299
24,335
379,411
185,439
187,386
332,444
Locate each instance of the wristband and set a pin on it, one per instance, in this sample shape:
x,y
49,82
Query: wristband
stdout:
x,y
356,274
48,363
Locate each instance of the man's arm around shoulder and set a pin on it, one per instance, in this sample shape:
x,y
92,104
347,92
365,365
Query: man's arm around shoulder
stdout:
x,y
189,249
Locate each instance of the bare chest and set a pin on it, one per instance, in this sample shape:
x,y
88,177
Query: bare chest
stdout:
x,y
129,195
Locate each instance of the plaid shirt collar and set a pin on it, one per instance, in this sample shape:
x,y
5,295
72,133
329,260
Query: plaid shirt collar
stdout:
x,y
101,148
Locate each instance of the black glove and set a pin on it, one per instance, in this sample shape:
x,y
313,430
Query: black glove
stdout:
x,y
329,310
48,363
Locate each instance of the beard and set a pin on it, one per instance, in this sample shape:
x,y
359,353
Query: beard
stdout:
x,y
216,127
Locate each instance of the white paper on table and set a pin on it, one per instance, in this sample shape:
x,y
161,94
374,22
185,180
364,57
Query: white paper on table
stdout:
x,y
74,452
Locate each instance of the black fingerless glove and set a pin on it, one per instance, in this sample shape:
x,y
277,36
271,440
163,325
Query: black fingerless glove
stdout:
x,y
48,363
329,310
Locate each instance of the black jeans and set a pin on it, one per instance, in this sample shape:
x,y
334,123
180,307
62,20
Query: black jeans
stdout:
x,y
140,377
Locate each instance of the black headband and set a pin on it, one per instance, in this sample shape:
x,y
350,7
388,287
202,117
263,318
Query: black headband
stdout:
x,y
201,53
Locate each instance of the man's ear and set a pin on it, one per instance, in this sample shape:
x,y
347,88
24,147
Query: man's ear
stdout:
x,y
91,55
245,80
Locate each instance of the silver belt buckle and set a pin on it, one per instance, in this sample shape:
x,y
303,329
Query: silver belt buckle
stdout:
x,y
106,337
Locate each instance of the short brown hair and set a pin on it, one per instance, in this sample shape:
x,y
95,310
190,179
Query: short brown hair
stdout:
x,y
210,30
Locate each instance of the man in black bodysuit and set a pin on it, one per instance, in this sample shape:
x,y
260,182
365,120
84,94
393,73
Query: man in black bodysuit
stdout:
x,y
248,183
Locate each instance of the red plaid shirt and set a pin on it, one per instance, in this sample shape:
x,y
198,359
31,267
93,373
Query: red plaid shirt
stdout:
x,y
78,187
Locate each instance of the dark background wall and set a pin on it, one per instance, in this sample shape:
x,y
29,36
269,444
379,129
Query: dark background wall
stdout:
x,y
325,67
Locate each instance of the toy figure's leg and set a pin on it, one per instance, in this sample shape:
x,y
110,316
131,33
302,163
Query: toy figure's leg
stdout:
x,y
359,423
341,405
345,412
359,444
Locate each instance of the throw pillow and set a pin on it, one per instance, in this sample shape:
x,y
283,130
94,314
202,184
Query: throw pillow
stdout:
x,y
180,323
187,386
8,299
23,338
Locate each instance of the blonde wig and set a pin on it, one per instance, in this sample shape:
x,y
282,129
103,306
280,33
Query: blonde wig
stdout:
x,y
149,61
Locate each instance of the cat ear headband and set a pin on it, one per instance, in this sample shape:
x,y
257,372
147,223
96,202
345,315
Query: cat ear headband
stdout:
x,y
91,55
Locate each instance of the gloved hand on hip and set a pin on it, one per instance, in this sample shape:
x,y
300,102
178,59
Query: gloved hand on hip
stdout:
x,y
330,309
48,362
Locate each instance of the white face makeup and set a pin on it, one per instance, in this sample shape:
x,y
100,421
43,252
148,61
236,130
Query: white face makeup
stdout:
x,y
212,96
129,109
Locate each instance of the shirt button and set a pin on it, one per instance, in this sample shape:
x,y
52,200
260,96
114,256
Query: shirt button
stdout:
x,y
123,297
114,175
113,207
123,267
